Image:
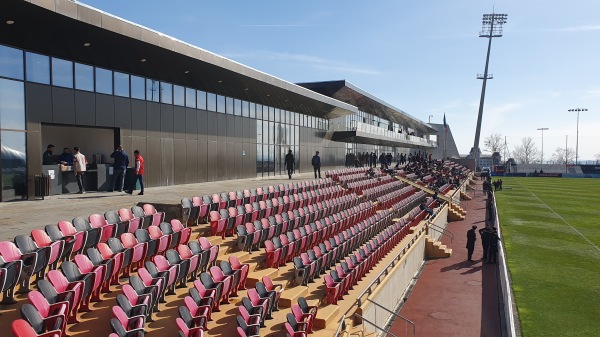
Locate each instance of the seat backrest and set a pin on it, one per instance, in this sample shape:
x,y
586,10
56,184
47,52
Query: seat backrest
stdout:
x,y
25,244
9,251
112,217
31,315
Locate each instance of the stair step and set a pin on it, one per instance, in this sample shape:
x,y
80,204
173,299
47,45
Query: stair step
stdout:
x,y
326,315
242,256
290,296
215,240
257,275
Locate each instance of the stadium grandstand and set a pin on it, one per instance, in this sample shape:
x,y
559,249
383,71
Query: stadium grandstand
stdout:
x,y
222,243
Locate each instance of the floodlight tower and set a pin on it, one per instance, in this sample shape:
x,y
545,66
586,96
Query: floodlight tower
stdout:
x,y
542,129
578,110
491,27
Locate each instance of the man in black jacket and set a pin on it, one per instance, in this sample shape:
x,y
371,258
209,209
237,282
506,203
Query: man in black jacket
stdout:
x,y
471,238
316,163
289,163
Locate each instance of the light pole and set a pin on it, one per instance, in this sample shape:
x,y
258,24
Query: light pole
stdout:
x,y
542,129
430,118
491,27
578,110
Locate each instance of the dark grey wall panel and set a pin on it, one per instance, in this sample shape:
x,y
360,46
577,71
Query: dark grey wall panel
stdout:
x,y
211,126
63,106
153,118
191,124
166,121
230,130
105,110
152,161
221,127
123,115
202,161
38,103
202,124
138,118
237,133
179,119
85,108
221,160
179,162
167,171
138,143
191,161
239,159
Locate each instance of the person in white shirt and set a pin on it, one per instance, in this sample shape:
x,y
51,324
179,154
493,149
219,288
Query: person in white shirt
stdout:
x,y
79,162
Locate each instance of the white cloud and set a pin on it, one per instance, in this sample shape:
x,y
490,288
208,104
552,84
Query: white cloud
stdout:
x,y
592,93
584,28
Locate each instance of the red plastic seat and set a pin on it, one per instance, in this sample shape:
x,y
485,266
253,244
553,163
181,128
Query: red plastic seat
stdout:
x,y
214,249
244,268
302,317
47,310
333,290
218,277
135,223
273,255
157,217
186,232
21,328
107,230
42,239
198,310
139,251
86,266
217,224
68,229
164,241
62,285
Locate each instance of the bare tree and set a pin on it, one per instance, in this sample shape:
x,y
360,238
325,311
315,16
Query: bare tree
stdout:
x,y
526,152
597,157
494,143
558,157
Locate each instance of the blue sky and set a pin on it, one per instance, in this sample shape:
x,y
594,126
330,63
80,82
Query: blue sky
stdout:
x,y
420,56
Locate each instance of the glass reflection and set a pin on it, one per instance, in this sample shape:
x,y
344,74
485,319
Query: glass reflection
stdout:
x,y
220,104
84,77
178,95
11,62
211,102
62,73
152,90
12,104
190,97
229,105
121,84
14,165
104,81
201,100
38,68
166,93
138,87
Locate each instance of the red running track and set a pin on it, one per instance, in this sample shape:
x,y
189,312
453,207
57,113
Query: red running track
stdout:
x,y
454,297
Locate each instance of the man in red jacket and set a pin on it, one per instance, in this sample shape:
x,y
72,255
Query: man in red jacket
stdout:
x,y
139,173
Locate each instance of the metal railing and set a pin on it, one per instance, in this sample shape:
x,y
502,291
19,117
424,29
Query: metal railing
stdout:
x,y
442,230
341,326
406,320
373,324
386,270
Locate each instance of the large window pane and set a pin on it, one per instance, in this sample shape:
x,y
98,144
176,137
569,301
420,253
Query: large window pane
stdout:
x,y
252,110
211,102
245,108
84,77
12,105
259,111
220,104
152,90
259,132
38,68
11,62
62,73
190,97
259,157
229,105
201,100
138,87
104,81
166,93
121,84
178,95
14,165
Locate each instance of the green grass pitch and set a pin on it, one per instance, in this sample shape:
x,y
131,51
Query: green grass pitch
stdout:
x,y
551,229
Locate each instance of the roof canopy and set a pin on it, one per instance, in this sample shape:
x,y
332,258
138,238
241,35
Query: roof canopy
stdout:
x,y
60,28
348,93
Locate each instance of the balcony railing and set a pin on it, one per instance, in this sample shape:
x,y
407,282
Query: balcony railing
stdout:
x,y
400,137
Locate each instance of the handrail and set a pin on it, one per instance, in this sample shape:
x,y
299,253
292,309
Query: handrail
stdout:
x,y
397,315
384,271
373,324
340,326
443,231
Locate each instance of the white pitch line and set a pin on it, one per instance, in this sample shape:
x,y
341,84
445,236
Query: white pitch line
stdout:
x,y
563,219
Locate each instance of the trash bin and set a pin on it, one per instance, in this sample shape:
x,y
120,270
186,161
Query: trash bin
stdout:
x,y
41,186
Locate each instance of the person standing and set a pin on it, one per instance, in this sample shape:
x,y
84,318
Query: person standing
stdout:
x,y
484,233
119,168
48,156
80,163
471,238
316,163
493,249
139,173
290,161
66,158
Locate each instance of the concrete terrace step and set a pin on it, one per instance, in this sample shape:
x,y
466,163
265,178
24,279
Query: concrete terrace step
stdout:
x,y
326,316
290,296
257,275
